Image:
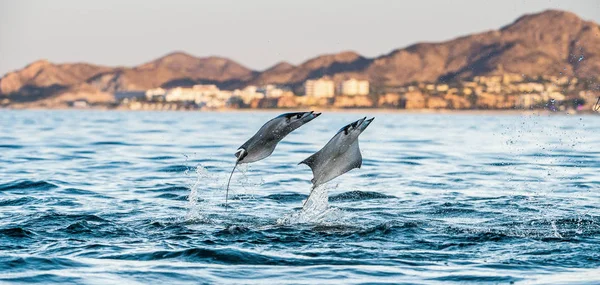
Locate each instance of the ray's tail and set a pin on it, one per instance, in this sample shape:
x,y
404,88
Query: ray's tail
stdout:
x,y
240,154
229,181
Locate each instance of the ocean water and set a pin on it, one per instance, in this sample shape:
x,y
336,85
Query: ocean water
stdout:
x,y
94,197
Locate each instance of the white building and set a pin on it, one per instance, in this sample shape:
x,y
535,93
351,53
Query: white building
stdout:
x,y
320,88
198,94
181,94
156,94
353,87
248,94
271,91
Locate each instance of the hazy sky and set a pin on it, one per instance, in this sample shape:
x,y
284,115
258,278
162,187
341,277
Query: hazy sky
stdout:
x,y
257,34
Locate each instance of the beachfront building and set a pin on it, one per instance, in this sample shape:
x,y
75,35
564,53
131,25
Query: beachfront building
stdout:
x,y
197,94
353,87
271,91
203,95
529,100
156,94
320,88
248,94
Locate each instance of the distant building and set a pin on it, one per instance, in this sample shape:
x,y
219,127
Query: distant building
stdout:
x,y
320,88
271,91
155,94
442,88
80,104
353,87
250,89
248,94
197,94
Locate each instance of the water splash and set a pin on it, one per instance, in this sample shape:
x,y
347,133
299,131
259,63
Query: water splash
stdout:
x,y
243,185
318,201
207,192
555,229
194,211
545,144
316,210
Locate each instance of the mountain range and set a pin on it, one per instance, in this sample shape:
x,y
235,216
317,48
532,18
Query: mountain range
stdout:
x,y
548,43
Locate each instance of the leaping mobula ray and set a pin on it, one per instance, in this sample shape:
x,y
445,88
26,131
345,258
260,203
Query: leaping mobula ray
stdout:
x,y
340,155
262,144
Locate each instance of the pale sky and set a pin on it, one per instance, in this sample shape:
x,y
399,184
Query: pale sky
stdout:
x,y
257,34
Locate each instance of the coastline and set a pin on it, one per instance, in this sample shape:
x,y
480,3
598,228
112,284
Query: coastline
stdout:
x,y
331,110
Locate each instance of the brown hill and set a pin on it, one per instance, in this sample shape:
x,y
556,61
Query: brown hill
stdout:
x,y
547,43
330,64
174,69
41,78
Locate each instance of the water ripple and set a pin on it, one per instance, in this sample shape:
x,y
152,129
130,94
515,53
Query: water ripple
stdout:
x,y
127,198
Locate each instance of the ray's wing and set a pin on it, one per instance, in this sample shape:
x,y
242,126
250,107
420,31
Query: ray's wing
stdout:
x,y
347,161
326,169
265,130
312,162
354,158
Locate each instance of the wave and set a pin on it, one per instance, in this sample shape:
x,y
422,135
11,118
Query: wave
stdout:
x,y
97,229
232,256
431,186
170,189
222,256
294,143
448,209
465,278
389,228
11,146
19,264
76,191
43,278
359,196
113,143
16,232
287,197
171,196
50,220
209,146
175,168
161,157
26,185
17,202
548,230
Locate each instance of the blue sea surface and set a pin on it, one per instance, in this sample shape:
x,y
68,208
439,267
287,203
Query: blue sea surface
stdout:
x,y
107,197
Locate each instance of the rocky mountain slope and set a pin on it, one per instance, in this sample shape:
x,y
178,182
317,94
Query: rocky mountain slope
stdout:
x,y
547,43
